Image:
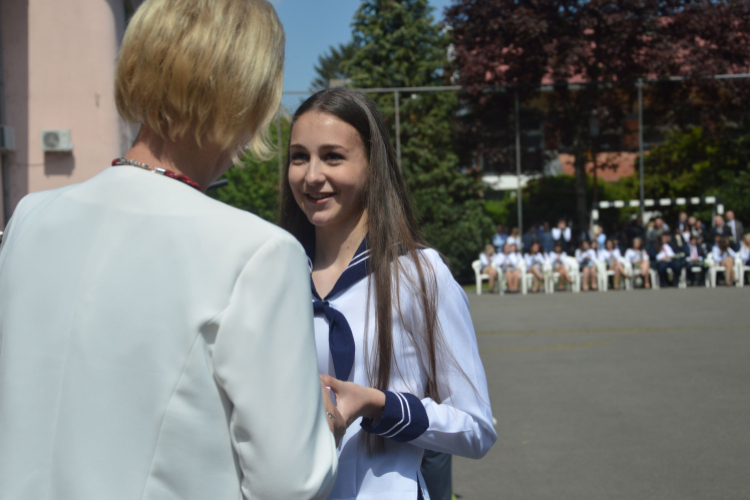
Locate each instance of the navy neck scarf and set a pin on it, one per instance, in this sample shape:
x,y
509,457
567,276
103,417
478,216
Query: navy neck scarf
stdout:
x,y
340,337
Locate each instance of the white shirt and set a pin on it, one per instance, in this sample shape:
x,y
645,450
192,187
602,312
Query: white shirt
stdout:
x,y
538,259
156,343
484,260
510,261
666,253
512,240
694,255
556,259
745,253
460,425
719,256
609,256
588,254
635,256
557,233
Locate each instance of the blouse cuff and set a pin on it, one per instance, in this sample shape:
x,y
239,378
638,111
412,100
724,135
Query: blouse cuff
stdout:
x,y
404,418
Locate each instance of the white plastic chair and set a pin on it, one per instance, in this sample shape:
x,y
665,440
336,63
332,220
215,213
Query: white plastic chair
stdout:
x,y
631,272
477,266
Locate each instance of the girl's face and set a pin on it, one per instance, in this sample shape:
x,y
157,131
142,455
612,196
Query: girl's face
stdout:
x,y
609,245
328,169
585,246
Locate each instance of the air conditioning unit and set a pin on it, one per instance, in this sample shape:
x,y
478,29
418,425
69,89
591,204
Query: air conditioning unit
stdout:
x,y
7,139
56,141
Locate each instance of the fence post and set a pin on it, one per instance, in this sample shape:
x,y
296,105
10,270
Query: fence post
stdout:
x,y
398,128
518,166
639,84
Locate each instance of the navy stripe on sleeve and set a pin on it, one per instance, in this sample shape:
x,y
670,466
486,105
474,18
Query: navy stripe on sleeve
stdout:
x,y
404,418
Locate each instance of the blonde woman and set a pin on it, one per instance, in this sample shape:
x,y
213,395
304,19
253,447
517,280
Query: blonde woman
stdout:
x,y
155,342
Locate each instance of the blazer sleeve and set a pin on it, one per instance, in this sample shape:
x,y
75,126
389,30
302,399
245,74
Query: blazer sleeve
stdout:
x,y
461,424
265,360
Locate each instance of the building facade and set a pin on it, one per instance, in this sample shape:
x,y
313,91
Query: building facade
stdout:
x,y
58,62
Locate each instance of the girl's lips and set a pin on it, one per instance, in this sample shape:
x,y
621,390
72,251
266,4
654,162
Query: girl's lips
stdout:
x,y
318,200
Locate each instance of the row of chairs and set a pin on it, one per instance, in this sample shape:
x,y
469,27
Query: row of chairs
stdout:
x,y
551,278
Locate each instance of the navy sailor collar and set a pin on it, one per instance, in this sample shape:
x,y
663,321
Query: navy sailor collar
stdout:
x,y
357,269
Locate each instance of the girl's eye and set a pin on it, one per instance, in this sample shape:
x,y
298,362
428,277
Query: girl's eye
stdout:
x,y
333,158
299,157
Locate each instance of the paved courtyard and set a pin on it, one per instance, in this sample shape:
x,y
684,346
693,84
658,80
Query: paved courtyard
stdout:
x,y
617,395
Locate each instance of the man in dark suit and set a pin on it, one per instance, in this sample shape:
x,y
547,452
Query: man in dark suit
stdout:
x,y
736,229
720,228
694,256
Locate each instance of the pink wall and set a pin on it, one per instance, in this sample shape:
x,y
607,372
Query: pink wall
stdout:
x,y
59,60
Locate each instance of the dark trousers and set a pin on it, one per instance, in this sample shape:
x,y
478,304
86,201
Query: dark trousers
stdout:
x,y
436,470
697,277
662,266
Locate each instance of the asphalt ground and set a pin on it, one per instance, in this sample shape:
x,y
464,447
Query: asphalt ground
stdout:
x,y
617,395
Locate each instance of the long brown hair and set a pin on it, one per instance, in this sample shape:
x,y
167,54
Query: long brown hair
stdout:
x,y
392,228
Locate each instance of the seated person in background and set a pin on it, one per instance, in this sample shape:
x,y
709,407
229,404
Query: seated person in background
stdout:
x,y
562,234
514,238
486,258
744,253
668,258
499,238
682,222
611,256
724,256
535,265
556,260
508,263
545,238
694,257
639,258
586,258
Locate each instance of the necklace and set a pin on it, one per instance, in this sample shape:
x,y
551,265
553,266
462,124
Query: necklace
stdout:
x,y
158,170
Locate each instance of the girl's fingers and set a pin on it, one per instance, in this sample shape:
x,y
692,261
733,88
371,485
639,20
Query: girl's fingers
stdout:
x,y
331,382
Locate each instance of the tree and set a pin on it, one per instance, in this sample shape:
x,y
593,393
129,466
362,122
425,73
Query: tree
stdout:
x,y
254,186
329,65
398,44
592,52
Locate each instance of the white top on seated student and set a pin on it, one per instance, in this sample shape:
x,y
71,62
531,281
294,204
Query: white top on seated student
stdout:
x,y
637,254
610,253
534,258
556,257
586,256
486,258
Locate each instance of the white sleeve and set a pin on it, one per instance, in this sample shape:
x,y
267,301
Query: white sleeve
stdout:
x,y
265,360
716,253
483,260
462,423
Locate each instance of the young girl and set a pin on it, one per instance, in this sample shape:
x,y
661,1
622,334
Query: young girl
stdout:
x,y
508,262
638,257
586,258
395,340
611,255
724,256
535,265
556,259
486,259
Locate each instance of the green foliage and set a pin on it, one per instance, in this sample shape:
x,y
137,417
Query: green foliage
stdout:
x,y
329,65
254,186
398,44
695,163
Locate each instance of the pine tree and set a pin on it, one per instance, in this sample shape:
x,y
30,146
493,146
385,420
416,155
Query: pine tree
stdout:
x,y
254,186
329,65
399,44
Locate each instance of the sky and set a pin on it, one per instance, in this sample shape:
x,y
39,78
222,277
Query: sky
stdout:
x,y
311,27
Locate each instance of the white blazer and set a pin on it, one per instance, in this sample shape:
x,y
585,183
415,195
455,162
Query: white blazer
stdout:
x,y
156,344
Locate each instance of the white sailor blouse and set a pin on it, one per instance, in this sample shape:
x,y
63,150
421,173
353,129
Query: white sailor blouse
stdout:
x,y
460,425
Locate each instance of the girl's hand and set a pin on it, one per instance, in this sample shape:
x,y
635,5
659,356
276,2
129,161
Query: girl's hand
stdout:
x,y
354,401
337,424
